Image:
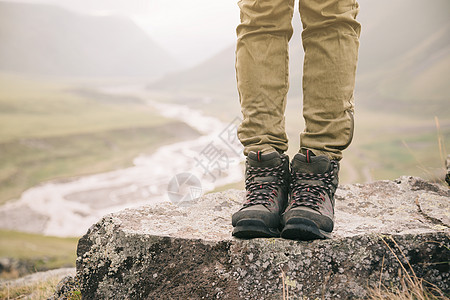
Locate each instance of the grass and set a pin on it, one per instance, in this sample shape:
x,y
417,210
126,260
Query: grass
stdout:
x,y
411,287
42,289
39,290
39,252
412,155
47,132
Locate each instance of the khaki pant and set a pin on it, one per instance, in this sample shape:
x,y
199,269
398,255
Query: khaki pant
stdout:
x,y
330,39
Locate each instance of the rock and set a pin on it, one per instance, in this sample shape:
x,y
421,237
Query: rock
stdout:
x,y
67,288
168,251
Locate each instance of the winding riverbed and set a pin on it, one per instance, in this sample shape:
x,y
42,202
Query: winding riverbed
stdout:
x,y
191,167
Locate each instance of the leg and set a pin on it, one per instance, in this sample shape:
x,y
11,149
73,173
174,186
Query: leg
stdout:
x,y
262,72
331,41
262,77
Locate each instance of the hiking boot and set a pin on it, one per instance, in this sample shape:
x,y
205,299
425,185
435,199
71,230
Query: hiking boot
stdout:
x,y
310,214
266,183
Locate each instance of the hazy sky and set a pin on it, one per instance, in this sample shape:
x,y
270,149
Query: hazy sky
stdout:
x,y
191,30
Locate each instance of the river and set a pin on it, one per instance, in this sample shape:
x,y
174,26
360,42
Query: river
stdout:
x,y
178,172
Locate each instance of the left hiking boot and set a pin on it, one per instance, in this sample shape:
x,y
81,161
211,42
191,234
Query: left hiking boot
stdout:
x,y
310,213
266,180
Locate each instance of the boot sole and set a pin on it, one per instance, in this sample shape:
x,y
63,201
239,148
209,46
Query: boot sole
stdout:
x,y
303,230
253,228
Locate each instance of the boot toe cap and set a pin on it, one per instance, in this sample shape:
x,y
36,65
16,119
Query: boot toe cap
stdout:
x,y
299,214
257,212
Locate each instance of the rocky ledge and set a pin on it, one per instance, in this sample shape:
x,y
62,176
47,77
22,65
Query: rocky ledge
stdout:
x,y
386,230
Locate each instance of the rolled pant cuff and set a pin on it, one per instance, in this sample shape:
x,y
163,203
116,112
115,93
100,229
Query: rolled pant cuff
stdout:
x,y
317,152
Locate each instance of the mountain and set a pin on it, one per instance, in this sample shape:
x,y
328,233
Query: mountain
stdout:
x,y
404,55
48,40
217,74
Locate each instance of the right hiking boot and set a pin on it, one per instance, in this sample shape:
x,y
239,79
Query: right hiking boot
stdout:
x,y
310,214
266,183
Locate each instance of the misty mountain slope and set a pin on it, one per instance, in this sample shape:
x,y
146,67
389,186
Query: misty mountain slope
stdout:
x,y
392,28
48,40
404,49
216,74
423,72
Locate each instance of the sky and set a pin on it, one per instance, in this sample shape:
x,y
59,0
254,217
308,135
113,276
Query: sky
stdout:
x,y
191,30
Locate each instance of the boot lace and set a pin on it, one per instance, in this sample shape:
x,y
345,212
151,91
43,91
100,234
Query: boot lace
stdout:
x,y
263,192
311,195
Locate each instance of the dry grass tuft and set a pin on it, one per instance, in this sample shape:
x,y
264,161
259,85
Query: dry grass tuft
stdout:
x,y
38,290
411,287
43,289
